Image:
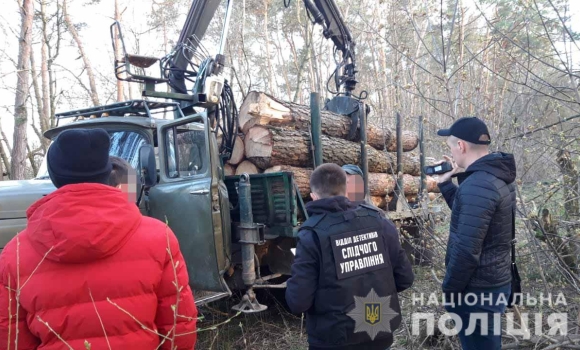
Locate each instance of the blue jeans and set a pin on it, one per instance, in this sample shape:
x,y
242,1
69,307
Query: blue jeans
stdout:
x,y
486,304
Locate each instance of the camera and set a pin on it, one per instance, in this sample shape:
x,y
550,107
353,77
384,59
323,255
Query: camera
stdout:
x,y
438,168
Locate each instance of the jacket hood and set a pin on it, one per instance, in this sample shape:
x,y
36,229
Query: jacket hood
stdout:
x,y
329,205
499,164
81,223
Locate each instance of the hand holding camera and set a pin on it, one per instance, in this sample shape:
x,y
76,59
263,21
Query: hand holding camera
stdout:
x,y
445,169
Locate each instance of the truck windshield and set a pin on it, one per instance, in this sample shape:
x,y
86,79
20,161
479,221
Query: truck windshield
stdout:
x,y
124,144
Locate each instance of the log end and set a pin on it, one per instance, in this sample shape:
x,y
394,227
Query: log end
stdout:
x,y
247,167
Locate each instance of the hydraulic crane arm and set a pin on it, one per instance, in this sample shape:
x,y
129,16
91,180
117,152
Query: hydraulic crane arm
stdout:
x,y
323,12
200,14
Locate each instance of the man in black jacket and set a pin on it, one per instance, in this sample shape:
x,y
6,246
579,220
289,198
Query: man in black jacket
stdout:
x,y
348,269
478,275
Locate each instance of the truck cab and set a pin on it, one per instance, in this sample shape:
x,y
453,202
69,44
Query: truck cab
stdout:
x,y
181,182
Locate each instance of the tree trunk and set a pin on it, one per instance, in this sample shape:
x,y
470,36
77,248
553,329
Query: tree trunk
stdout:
x,y
30,155
571,186
229,170
71,28
18,155
46,115
247,167
270,146
263,109
117,45
39,101
237,152
4,160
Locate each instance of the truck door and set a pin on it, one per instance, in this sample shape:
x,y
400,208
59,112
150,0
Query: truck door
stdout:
x,y
183,197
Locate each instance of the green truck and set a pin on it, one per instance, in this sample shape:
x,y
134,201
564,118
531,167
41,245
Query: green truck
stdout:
x,y
235,232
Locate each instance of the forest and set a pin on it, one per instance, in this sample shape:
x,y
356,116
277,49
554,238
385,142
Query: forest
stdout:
x,y
513,63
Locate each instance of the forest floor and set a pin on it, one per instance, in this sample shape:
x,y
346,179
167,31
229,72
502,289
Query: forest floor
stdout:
x,y
277,328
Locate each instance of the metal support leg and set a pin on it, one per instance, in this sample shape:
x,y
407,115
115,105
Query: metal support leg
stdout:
x,y
249,236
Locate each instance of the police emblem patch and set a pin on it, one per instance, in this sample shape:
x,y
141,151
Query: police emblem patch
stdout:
x,y
372,314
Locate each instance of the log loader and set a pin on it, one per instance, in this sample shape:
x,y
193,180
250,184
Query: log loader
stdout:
x,y
235,232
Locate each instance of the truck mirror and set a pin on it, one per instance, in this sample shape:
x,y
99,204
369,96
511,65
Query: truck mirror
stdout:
x,y
147,167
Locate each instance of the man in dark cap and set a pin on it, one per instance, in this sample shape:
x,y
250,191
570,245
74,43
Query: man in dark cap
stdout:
x,y
355,187
480,235
89,264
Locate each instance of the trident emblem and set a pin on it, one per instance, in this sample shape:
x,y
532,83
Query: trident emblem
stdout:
x,y
372,313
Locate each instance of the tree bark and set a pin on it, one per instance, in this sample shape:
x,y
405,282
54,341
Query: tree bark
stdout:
x,y
71,28
39,101
117,45
410,141
46,111
18,166
301,177
571,186
247,167
237,152
270,146
379,184
4,160
263,109
382,201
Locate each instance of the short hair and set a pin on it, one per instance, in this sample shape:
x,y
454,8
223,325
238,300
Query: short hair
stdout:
x,y
473,146
120,173
328,180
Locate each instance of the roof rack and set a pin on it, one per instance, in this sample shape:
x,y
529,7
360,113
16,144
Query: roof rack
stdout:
x,y
136,108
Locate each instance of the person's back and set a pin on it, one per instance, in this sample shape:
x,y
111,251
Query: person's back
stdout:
x,y
90,268
347,256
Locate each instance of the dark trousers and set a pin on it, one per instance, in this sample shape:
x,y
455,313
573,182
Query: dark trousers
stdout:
x,y
484,303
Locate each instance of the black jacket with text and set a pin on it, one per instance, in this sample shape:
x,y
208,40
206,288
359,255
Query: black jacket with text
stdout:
x,y
478,250
345,253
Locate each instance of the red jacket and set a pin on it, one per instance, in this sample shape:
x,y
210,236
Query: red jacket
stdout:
x,y
90,268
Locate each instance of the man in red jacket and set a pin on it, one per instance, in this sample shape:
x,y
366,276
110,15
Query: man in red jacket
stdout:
x,y
89,268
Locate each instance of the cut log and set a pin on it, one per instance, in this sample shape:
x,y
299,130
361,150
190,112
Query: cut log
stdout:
x,y
237,152
431,185
410,141
262,109
301,177
382,201
270,146
382,184
229,170
379,184
411,164
247,167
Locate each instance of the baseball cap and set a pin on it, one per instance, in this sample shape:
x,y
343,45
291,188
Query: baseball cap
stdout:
x,y
470,129
352,169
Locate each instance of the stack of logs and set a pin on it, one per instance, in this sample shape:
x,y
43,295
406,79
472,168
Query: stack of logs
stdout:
x,y
275,136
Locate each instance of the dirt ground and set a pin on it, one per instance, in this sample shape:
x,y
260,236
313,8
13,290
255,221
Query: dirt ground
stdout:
x,y
277,328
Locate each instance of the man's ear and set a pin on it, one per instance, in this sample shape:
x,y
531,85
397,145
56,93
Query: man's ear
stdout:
x,y
462,146
313,196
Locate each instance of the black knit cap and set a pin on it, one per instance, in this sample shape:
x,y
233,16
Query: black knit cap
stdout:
x,y
79,156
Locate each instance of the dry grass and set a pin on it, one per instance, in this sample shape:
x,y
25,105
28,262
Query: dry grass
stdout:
x,y
274,328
